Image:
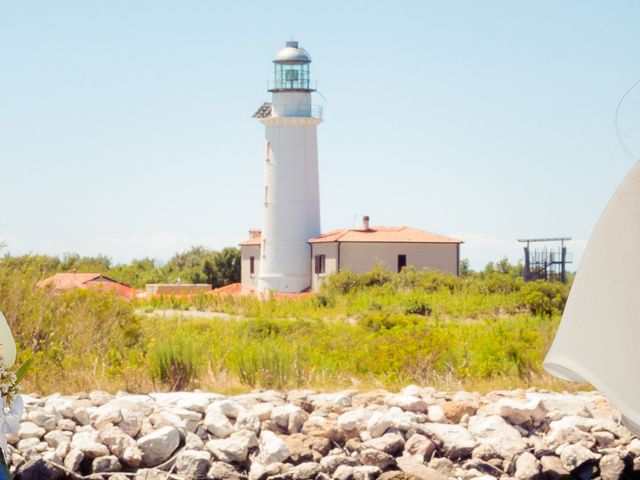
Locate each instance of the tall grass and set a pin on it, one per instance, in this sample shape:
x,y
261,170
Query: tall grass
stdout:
x,y
375,329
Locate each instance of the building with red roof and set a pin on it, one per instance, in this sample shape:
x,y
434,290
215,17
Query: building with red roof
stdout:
x,y
61,282
360,249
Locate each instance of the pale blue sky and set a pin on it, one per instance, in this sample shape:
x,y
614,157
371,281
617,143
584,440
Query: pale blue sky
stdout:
x,y
126,129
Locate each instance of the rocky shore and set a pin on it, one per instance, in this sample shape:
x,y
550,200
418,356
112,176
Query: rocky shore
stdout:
x,y
301,435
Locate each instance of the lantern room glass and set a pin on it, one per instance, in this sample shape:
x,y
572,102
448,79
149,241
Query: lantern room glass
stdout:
x,y
292,76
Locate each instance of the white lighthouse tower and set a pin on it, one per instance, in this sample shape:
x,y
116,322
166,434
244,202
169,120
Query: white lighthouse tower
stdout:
x,y
291,202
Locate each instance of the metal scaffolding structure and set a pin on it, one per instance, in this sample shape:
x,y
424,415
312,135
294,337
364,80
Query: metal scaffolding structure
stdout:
x,y
546,262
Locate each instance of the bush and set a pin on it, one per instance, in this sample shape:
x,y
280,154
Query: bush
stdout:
x,y
544,298
176,362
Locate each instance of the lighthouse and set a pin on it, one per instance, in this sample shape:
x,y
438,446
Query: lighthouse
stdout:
x,y
291,197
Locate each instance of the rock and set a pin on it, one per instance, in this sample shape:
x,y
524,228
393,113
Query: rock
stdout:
x,y
222,471
419,445
569,434
611,467
305,449
338,399
193,464
455,410
131,422
376,458
67,424
498,434
117,441
289,418
63,406
604,439
263,410
455,440
42,419
519,412
30,430
330,463
305,471
436,414
106,464
228,407
413,466
575,456
477,465
38,469
73,460
390,443
396,475
150,474
409,403
378,424
248,420
81,416
354,419
527,467
157,447
132,456
272,448
193,442
365,472
552,467
443,466
87,442
217,423
233,449
99,398
343,472
484,452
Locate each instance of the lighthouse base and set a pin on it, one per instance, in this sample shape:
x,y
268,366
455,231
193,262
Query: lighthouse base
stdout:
x,y
283,283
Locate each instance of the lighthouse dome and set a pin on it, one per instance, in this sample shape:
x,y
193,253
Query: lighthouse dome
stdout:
x,y
292,53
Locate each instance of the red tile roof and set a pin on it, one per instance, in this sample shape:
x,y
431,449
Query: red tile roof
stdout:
x,y
69,281
64,281
383,235
374,234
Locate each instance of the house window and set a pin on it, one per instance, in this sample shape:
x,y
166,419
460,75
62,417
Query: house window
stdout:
x,y
319,264
252,265
402,262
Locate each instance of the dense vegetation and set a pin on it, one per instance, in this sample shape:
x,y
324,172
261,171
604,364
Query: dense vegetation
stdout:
x,y
482,330
196,265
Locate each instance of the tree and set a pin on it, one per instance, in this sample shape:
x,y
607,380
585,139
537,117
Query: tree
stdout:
x,y
465,268
223,267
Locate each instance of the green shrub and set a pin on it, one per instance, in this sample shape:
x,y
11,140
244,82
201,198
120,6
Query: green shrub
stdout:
x,y
176,362
544,298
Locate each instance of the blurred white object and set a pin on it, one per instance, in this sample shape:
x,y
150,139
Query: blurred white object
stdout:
x,y
7,344
9,420
598,339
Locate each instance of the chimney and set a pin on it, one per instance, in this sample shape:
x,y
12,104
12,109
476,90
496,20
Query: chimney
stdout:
x,y
254,233
365,222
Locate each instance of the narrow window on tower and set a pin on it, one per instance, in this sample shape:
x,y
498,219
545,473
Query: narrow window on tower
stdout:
x,y
266,194
319,264
402,262
252,266
267,153
264,248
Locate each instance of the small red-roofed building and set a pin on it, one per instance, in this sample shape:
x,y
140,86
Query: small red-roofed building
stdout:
x,y
61,282
360,249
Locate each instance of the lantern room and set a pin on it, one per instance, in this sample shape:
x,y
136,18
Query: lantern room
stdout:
x,y
291,69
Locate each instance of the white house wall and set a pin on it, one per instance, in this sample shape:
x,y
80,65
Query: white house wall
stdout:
x,y
330,251
362,257
249,281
